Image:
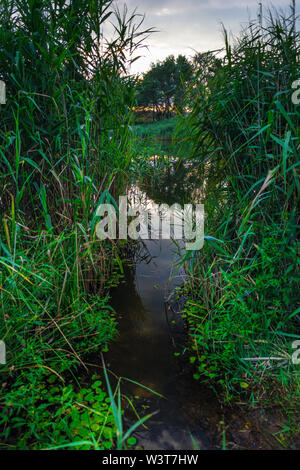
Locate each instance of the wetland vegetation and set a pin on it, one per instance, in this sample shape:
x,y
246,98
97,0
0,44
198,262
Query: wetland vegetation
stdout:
x,y
107,339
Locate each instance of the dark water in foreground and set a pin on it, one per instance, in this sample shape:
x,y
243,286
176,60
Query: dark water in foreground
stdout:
x,y
151,333
151,351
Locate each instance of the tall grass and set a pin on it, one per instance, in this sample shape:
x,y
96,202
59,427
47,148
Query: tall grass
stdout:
x,y
243,136
64,142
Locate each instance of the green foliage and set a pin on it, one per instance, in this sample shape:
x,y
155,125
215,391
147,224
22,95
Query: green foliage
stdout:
x,y
164,128
39,412
65,141
162,87
64,129
243,321
154,148
243,135
48,324
154,139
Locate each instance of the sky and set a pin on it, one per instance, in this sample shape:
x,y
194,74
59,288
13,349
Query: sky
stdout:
x,y
185,26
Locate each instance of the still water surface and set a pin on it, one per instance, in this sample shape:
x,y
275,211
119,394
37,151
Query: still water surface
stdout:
x,y
151,333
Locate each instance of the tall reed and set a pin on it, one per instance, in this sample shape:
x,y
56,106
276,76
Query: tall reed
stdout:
x,y
64,141
243,137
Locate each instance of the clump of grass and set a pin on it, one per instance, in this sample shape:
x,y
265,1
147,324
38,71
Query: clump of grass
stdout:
x,y
242,135
64,142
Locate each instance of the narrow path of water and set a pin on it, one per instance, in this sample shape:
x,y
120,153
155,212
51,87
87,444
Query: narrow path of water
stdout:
x,y
151,333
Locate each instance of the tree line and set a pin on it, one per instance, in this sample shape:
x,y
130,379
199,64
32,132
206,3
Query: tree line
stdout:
x,y
162,88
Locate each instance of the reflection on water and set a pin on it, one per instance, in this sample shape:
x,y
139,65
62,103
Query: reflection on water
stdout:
x,y
145,350
149,333
178,183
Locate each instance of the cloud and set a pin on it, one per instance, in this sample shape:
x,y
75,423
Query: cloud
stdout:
x,y
184,26
166,11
